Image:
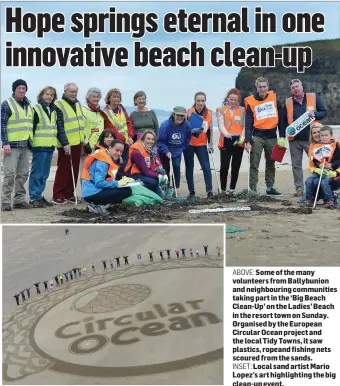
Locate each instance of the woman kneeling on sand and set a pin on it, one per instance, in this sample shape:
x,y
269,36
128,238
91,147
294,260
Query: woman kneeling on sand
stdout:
x,y
144,163
102,184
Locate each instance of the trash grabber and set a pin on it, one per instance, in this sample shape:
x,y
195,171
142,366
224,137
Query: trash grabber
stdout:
x,y
217,179
74,184
173,175
317,190
248,171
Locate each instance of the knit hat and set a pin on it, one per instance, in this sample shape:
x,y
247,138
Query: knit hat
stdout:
x,y
17,83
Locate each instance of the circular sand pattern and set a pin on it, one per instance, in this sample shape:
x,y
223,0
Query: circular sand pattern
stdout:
x,y
22,357
112,298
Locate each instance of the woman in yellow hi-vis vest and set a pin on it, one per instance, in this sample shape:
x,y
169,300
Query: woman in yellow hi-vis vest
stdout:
x,y
45,136
94,122
72,115
120,119
16,138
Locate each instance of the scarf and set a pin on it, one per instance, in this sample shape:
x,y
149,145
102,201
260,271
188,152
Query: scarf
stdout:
x,y
229,105
155,163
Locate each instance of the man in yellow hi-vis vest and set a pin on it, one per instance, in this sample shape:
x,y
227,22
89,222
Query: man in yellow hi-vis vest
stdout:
x,y
16,138
74,125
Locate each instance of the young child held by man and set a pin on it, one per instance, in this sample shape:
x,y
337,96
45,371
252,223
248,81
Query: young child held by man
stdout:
x,y
328,153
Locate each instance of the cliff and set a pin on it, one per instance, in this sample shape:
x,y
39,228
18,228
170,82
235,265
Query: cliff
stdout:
x,y
323,77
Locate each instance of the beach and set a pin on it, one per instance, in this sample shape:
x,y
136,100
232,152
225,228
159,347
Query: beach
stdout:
x,y
276,237
33,354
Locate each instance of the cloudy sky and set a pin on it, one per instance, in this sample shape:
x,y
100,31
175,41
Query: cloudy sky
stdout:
x,y
165,87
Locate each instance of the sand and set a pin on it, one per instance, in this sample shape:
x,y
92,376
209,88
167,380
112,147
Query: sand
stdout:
x,y
269,238
152,360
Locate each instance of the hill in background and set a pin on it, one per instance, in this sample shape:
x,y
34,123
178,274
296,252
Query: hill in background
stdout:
x,y
323,77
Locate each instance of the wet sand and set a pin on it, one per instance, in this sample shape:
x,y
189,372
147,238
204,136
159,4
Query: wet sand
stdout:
x,y
168,281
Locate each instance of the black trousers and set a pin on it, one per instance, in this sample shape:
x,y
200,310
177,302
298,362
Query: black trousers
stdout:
x,y
233,154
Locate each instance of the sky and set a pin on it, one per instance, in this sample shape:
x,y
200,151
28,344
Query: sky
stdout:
x,y
165,87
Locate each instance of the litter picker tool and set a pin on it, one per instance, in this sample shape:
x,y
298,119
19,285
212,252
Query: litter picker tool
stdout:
x,y
73,180
317,190
217,179
248,170
173,175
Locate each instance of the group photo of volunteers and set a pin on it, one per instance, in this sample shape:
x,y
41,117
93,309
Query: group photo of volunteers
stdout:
x,y
132,158
109,264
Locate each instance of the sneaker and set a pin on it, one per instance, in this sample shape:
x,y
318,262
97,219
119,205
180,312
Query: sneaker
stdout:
x,y
22,205
97,209
59,201
6,208
72,200
231,192
45,202
330,204
309,203
273,192
37,204
209,194
192,194
298,193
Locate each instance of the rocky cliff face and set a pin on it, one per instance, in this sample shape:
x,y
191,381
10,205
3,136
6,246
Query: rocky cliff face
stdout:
x,y
323,77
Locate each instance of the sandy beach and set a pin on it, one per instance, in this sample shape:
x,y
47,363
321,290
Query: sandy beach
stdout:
x,y
38,348
279,235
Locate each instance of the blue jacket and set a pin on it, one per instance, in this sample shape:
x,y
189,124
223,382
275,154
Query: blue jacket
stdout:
x,y
98,172
172,138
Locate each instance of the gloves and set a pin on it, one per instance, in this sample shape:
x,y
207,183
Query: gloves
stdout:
x,y
282,142
318,171
331,174
210,147
239,141
205,126
125,180
163,180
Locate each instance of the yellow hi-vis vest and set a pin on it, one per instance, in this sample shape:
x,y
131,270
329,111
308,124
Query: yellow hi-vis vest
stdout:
x,y
20,123
73,123
93,120
46,131
118,121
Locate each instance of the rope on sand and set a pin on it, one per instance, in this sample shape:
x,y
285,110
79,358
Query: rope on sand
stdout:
x,y
234,230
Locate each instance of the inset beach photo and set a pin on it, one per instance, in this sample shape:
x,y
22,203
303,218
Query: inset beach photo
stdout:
x,y
113,304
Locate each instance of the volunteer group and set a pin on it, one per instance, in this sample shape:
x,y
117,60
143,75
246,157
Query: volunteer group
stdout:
x,y
110,149
75,272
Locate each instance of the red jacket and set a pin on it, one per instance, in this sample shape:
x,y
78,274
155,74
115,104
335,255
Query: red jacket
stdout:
x,y
108,124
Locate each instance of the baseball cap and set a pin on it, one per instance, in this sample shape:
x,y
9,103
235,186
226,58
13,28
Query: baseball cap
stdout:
x,y
180,110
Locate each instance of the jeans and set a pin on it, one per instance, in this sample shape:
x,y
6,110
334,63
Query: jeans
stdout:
x,y
109,196
176,162
41,166
324,186
149,182
335,185
203,158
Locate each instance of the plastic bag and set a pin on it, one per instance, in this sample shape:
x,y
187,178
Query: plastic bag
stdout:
x,y
142,196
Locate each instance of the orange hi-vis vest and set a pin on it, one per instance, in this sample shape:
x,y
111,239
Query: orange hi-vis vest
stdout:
x,y
264,111
202,139
100,155
310,105
233,124
312,155
145,154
